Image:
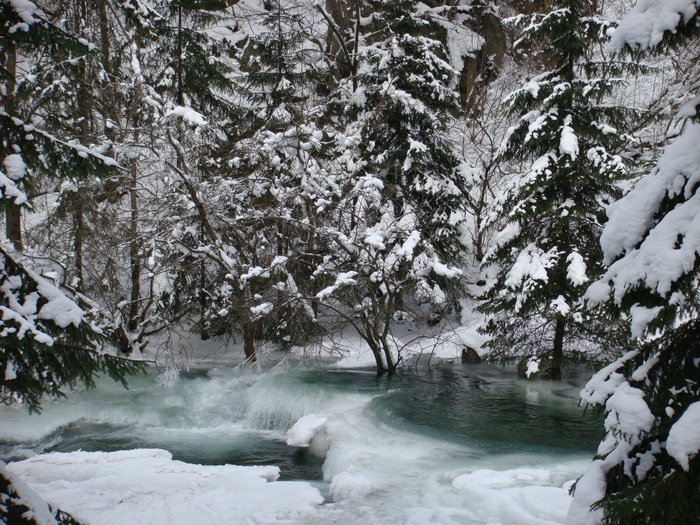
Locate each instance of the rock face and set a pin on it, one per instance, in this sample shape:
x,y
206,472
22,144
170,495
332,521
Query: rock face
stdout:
x,y
483,66
527,7
470,356
479,68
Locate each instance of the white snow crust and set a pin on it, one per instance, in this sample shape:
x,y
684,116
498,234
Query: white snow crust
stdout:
x,y
310,432
628,412
515,496
605,381
39,509
568,143
576,270
533,366
641,317
25,10
147,487
15,167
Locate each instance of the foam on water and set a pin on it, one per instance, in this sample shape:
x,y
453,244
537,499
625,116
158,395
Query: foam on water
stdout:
x,y
459,446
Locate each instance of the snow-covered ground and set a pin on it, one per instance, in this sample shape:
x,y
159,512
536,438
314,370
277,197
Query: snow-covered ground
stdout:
x,y
147,487
346,349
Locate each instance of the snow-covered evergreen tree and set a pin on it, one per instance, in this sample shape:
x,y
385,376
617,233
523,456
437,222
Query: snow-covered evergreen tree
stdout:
x,y
37,61
159,67
571,134
48,342
406,99
278,75
258,196
397,227
648,466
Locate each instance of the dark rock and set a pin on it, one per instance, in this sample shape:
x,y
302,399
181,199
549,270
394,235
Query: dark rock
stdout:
x,y
470,356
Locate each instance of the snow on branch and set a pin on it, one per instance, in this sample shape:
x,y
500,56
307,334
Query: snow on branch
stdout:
x,y
655,252
646,25
189,114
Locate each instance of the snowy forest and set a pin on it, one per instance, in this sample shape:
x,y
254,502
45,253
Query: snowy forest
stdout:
x,y
513,182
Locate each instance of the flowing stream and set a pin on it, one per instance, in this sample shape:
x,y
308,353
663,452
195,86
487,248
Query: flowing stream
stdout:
x,y
453,444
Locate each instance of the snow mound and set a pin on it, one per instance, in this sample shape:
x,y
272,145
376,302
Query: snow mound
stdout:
x,y
310,432
147,487
514,496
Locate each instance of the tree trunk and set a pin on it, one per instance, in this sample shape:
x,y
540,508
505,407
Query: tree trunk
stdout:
x,y
13,213
13,216
180,89
134,259
108,106
203,300
558,350
373,342
390,364
78,246
248,328
381,367
85,114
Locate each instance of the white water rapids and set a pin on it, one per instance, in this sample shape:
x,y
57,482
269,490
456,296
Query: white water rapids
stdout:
x,y
455,445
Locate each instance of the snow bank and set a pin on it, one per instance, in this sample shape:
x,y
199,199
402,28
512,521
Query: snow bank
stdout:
x,y
147,487
23,495
519,495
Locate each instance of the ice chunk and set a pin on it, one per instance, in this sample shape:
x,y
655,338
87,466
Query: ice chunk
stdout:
x,y
310,431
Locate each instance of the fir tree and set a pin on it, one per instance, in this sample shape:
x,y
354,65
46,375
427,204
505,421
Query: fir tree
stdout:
x,y
159,65
648,467
406,101
48,342
279,76
252,195
33,148
188,64
548,249
397,228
